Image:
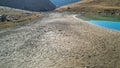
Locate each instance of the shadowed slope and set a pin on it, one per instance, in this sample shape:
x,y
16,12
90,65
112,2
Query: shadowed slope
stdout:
x,y
31,5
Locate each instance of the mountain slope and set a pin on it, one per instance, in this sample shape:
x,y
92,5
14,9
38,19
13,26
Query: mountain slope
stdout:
x,y
107,2
94,6
14,17
32,5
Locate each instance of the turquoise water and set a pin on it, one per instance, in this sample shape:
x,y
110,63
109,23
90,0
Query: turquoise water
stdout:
x,y
107,24
63,2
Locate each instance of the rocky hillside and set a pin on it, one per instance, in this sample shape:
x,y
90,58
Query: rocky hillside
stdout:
x,y
10,16
107,2
32,5
110,7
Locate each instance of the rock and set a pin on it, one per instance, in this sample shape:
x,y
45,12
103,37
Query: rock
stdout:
x,y
68,8
11,18
111,12
87,66
3,18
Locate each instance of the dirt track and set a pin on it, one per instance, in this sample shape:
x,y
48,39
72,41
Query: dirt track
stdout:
x,y
59,41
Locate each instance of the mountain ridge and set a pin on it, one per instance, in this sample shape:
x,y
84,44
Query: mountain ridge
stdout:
x,y
31,5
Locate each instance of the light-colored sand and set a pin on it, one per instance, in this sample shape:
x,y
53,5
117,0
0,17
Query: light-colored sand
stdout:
x,y
59,41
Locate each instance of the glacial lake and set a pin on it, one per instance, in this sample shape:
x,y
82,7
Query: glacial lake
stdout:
x,y
63,2
107,24
111,22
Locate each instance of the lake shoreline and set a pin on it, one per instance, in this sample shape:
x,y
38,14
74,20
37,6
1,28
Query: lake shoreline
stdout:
x,y
105,22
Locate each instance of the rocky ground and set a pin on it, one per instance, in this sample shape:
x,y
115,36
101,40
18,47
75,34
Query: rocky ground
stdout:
x,y
11,16
59,40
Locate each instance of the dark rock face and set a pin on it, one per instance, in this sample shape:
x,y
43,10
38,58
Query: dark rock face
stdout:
x,y
3,18
31,5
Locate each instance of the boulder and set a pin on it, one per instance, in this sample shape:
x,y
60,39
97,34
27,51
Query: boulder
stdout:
x,y
3,18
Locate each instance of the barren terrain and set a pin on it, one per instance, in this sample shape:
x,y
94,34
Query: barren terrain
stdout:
x,y
59,40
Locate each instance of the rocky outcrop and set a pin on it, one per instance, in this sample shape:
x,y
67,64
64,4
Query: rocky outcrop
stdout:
x,y
3,18
31,5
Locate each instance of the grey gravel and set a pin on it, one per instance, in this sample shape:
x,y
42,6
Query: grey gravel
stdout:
x,y
58,40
